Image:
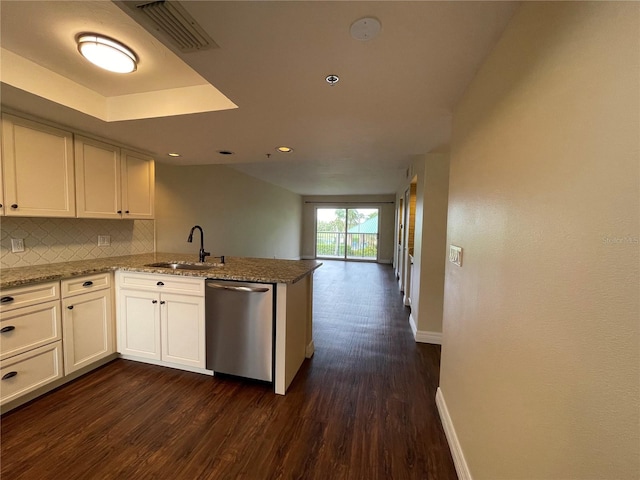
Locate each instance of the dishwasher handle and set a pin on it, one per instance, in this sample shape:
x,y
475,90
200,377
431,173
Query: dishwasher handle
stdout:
x,y
238,289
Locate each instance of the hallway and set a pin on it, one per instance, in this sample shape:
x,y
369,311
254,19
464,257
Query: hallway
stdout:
x,y
362,408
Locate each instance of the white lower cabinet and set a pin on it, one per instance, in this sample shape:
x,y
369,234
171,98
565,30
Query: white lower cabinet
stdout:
x,y
139,324
87,328
30,339
156,323
28,371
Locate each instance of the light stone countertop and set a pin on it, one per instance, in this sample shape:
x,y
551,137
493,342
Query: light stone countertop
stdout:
x,y
261,270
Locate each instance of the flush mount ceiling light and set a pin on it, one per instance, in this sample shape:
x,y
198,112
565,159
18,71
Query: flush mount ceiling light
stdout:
x,y
332,79
365,29
174,154
284,149
106,53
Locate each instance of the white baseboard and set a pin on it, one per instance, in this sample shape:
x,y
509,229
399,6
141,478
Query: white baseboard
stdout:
x,y
454,445
423,336
308,257
385,260
309,350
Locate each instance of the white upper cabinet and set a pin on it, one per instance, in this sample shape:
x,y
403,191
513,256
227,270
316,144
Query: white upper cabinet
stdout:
x,y
37,163
138,185
98,192
2,204
112,182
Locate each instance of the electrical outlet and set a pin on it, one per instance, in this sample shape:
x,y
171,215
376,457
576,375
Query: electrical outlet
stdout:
x,y
17,245
104,240
455,255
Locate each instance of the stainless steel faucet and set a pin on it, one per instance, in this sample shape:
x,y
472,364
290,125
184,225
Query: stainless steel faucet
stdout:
x,y
202,254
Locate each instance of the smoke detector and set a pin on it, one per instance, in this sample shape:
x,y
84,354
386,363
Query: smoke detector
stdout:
x,y
366,28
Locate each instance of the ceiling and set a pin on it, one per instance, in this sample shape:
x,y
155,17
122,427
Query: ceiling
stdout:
x,y
394,99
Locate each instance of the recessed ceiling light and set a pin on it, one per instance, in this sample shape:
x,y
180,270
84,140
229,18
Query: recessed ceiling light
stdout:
x,y
225,152
174,154
332,79
365,29
106,53
284,149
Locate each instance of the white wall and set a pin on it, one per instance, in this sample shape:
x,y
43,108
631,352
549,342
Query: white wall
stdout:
x,y
540,361
386,204
429,251
240,215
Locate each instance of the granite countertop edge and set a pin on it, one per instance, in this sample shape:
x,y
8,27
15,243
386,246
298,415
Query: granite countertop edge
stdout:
x,y
259,270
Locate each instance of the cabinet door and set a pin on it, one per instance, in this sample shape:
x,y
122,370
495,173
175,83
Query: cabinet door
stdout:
x,y
182,320
139,324
98,175
138,185
38,169
87,329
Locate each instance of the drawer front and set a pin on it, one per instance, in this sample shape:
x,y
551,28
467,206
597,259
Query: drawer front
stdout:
x,y
19,297
84,284
31,370
29,327
161,283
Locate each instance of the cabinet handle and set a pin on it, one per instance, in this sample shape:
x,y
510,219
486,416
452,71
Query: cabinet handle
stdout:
x,y
8,328
9,375
154,301
87,283
6,299
70,307
14,206
162,302
160,284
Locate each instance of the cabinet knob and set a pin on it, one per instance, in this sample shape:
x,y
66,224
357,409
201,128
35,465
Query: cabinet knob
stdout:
x,y
162,302
126,211
119,211
6,329
87,283
6,299
15,205
9,375
154,301
160,284
70,307
0,205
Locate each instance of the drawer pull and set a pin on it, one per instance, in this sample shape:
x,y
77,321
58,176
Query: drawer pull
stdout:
x,y
88,283
6,329
154,301
70,307
160,284
6,299
9,375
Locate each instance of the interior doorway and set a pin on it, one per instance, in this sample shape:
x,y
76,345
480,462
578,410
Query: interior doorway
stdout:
x,y
347,233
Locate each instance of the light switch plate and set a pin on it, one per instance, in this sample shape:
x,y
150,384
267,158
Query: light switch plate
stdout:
x,y
455,255
104,240
17,245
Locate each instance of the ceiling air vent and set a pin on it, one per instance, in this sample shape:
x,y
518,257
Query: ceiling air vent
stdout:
x,y
172,20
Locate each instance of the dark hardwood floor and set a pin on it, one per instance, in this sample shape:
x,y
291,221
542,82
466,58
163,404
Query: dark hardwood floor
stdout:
x,y
362,408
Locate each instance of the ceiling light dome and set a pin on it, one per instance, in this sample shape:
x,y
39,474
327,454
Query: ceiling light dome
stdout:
x,y
107,53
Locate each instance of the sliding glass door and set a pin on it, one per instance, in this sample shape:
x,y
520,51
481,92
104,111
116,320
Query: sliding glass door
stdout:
x,y
347,233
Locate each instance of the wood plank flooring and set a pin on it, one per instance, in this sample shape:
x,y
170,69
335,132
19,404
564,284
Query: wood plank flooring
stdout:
x,y
362,408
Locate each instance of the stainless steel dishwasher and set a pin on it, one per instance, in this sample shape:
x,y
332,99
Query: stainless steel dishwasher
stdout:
x,y
239,328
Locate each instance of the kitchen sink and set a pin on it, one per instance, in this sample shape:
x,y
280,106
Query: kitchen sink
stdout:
x,y
182,266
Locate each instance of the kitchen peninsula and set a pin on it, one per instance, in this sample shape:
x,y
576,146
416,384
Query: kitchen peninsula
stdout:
x,y
293,281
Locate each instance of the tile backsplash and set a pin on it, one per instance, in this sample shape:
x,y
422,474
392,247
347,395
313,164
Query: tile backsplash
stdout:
x,y
52,240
